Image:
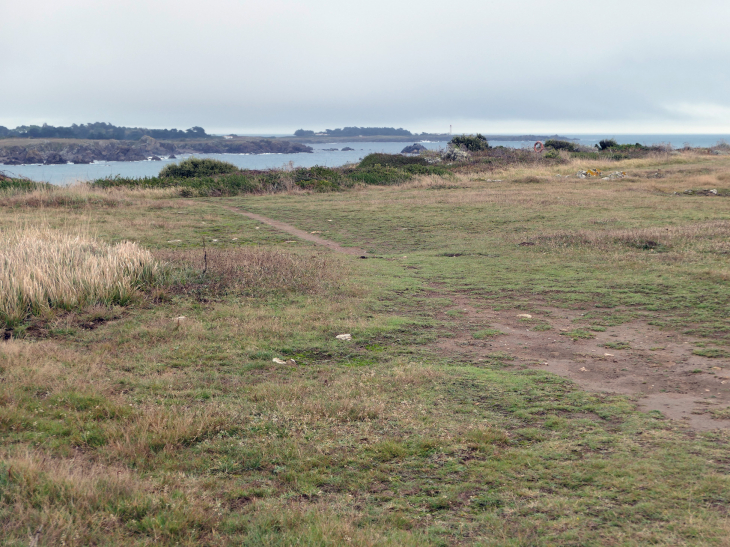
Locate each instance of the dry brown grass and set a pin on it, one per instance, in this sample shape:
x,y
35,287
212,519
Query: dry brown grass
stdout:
x,y
84,501
43,269
81,195
256,271
701,237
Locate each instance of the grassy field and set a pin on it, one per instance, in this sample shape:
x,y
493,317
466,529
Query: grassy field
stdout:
x,y
164,420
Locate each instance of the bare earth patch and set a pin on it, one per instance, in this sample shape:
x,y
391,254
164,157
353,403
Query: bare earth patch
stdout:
x,y
658,367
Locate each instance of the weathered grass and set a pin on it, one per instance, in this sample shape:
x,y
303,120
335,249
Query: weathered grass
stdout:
x,y
79,195
255,271
43,269
155,430
711,236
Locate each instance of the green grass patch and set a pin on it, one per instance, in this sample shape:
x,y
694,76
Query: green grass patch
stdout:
x,y
712,353
579,334
486,333
617,345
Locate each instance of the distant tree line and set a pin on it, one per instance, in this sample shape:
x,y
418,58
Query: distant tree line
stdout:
x,y
356,132
99,130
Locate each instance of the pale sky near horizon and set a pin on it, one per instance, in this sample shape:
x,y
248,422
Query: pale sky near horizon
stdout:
x,y
641,66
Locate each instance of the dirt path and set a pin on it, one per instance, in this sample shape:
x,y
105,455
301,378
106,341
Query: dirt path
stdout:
x,y
657,366
301,234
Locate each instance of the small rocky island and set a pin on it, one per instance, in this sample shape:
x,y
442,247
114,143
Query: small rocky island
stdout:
x,y
55,151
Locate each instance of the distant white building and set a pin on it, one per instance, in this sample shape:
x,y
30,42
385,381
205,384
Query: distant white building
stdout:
x,y
229,136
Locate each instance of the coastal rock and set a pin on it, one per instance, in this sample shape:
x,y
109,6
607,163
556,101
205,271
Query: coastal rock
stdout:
x,y
31,156
50,152
54,158
455,154
415,148
348,149
155,158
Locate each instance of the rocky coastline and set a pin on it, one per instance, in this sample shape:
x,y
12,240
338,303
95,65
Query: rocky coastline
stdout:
x,y
59,151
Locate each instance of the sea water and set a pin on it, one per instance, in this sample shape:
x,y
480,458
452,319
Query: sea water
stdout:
x,y
65,174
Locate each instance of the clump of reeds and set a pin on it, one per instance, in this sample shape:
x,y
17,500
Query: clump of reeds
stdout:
x,y
43,269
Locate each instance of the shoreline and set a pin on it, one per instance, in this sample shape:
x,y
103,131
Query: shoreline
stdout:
x,y
84,152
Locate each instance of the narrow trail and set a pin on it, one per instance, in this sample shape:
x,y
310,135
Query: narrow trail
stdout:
x,y
301,234
658,367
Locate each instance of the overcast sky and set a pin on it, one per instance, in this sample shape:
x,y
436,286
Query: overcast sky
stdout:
x,y
619,66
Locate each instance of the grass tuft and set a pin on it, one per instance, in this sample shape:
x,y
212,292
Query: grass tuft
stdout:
x,y
43,269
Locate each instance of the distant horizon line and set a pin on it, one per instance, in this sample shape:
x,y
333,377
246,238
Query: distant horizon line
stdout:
x,y
504,133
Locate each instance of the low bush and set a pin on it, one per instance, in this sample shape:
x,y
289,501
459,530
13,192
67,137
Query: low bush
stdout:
x,y
385,169
607,143
9,184
389,160
561,145
197,167
473,143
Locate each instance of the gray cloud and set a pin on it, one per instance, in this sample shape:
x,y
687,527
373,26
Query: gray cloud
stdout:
x,y
279,65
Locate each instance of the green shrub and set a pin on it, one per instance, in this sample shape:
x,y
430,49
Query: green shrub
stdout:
x,y
473,143
7,183
197,167
607,143
379,169
318,178
380,175
389,160
560,145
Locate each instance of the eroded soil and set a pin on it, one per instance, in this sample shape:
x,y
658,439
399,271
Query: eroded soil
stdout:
x,y
657,366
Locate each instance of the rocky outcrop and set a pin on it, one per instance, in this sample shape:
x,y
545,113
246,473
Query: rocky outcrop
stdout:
x,y
57,151
415,148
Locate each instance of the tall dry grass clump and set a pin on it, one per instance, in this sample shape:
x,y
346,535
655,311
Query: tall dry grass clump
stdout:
x,y
42,269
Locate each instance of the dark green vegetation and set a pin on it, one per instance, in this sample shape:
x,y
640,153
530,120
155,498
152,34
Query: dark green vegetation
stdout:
x,y
473,143
191,178
611,144
99,131
169,423
197,167
561,145
23,185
